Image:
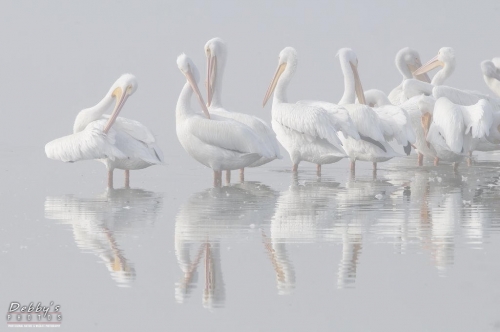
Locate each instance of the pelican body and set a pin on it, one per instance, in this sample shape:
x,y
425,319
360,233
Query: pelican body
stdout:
x,y
307,131
116,141
375,126
216,53
216,142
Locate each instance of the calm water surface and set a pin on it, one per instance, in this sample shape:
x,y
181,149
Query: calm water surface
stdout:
x,y
407,249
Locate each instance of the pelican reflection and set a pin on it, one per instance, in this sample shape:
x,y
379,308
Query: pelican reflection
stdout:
x,y
206,219
441,207
97,223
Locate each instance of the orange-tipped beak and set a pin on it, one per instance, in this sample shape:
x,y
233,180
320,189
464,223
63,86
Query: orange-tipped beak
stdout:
x,y
431,64
357,85
211,71
195,88
272,86
121,98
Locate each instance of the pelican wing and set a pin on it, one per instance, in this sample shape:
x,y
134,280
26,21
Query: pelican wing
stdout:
x,y
134,128
456,96
478,118
259,126
90,143
396,124
339,116
366,121
227,134
312,121
448,122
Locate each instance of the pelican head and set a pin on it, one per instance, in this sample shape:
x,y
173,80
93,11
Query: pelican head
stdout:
x,y
411,59
188,68
445,57
347,55
489,70
123,87
215,49
286,60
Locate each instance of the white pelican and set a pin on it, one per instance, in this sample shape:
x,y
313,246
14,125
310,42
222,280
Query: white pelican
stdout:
x,y
374,126
117,142
491,74
420,119
216,53
407,61
306,131
454,127
446,59
216,142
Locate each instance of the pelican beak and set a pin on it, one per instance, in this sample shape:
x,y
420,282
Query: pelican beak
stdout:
x,y
211,71
423,77
272,86
431,64
426,124
194,86
357,84
121,98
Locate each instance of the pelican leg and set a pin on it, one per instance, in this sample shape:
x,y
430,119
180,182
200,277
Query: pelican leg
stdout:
x,y
217,178
420,159
375,167
436,161
295,167
228,177
469,160
242,175
127,178
110,179
455,166
353,166
318,170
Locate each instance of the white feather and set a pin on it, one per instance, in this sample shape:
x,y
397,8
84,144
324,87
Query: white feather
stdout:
x,y
90,143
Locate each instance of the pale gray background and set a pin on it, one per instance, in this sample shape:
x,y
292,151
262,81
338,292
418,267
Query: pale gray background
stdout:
x,y
58,57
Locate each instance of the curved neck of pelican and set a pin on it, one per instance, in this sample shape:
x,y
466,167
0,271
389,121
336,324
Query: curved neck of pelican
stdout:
x,y
403,68
183,107
444,73
493,84
283,81
221,65
349,96
94,113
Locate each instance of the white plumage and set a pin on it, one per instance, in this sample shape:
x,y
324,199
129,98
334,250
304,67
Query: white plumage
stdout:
x,y
216,142
491,74
91,143
216,53
454,126
407,61
307,130
117,142
374,127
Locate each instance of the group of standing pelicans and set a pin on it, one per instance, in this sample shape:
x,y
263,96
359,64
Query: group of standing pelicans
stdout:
x,y
440,122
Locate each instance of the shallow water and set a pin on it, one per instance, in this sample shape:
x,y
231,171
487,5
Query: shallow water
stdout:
x,y
406,249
